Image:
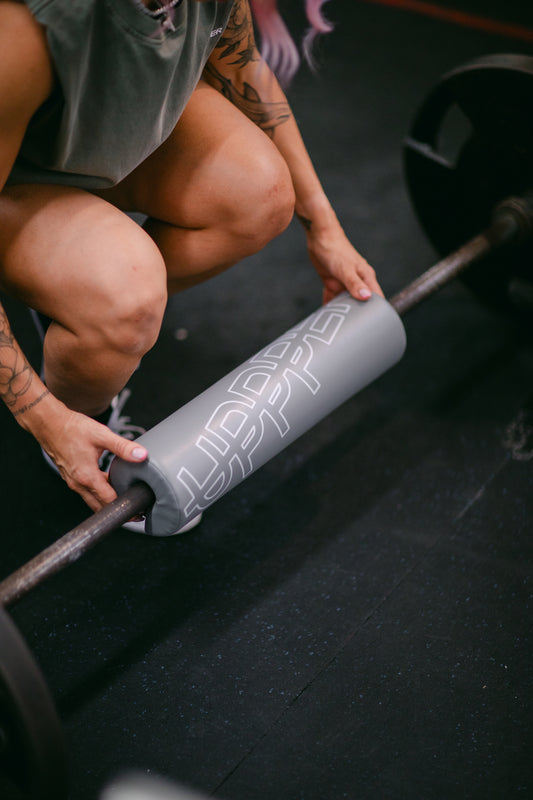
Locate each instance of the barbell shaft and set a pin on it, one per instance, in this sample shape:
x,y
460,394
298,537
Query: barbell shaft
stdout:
x,y
79,540
509,225
506,228
441,273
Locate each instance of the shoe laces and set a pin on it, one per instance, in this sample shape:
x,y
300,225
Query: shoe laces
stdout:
x,y
120,424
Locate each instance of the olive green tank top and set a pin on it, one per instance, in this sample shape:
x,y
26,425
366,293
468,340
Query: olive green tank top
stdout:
x,y
122,84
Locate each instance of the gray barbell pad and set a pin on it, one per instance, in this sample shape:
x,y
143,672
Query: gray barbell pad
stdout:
x,y
211,444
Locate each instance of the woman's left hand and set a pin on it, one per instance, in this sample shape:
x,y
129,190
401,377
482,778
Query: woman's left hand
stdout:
x,y
339,265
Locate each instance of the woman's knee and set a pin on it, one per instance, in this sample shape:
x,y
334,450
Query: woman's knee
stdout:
x,y
264,205
130,312
132,325
85,265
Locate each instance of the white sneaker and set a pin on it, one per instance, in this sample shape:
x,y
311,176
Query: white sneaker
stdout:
x,y
137,526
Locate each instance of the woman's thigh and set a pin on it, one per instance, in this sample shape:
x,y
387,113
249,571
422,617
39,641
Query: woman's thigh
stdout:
x,y
217,168
72,255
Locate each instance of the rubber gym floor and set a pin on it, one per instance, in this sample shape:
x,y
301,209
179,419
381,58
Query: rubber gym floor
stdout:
x,y
353,621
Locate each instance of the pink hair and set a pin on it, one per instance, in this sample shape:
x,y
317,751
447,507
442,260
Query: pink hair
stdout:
x,y
277,45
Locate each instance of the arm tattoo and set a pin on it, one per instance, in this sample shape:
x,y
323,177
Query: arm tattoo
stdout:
x,y
266,116
237,50
15,372
238,42
28,407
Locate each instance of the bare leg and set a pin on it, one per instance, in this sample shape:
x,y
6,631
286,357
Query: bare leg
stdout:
x,y
216,191
96,274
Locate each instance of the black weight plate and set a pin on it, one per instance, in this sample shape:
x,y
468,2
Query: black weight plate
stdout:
x,y
471,146
32,750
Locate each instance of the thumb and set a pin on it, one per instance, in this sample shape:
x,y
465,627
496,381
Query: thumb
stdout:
x,y
126,449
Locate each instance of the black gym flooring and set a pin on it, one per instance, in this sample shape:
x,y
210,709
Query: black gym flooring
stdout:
x,y
353,621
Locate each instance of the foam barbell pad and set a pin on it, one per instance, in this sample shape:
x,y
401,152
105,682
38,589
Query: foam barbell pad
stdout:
x,y
211,444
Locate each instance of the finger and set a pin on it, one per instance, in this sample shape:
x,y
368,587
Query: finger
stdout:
x,y
358,288
91,484
332,288
92,501
372,282
363,283
98,495
123,448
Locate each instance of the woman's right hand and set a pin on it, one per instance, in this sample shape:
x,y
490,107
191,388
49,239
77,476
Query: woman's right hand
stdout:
x,y
75,443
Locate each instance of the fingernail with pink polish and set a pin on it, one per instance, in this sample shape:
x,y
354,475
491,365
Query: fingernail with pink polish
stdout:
x,y
364,294
139,453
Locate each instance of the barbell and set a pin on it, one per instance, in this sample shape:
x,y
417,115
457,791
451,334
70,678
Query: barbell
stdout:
x,y
476,188
225,434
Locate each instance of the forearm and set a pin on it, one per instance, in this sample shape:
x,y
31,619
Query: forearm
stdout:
x,y
21,389
238,72
312,205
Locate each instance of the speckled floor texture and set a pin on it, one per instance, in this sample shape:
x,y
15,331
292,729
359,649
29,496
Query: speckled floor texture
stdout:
x,y
353,621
